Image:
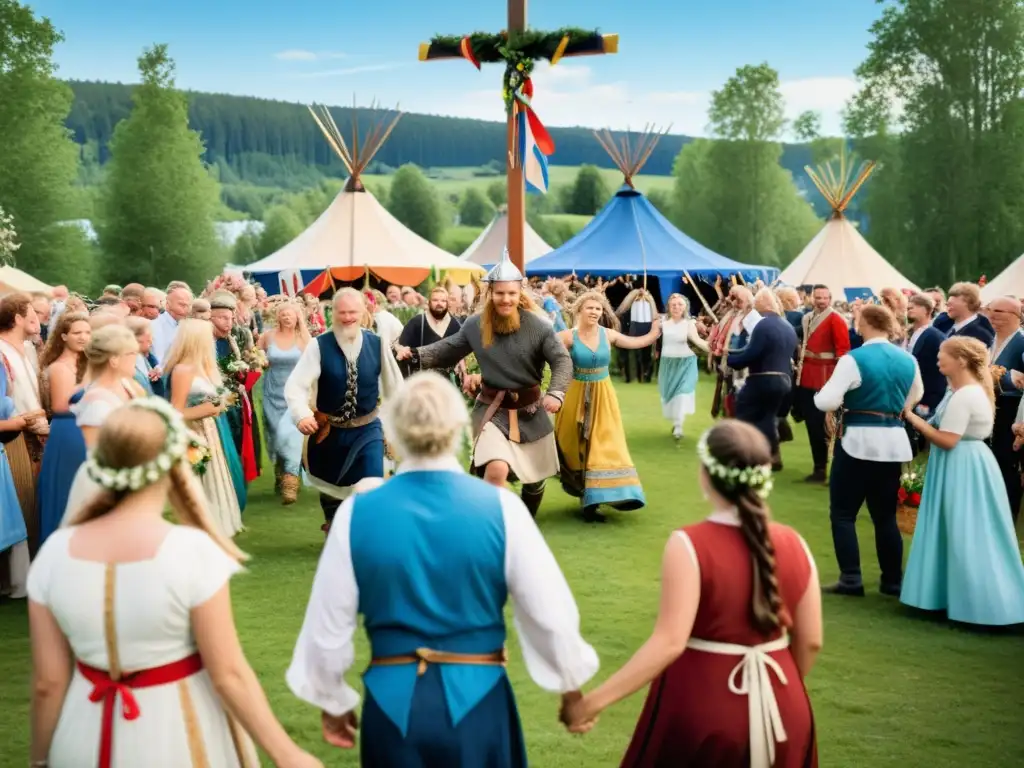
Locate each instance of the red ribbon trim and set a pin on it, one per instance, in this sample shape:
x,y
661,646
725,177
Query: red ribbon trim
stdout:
x,y
541,137
105,689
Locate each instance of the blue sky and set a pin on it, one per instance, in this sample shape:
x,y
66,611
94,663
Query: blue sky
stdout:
x,y
671,54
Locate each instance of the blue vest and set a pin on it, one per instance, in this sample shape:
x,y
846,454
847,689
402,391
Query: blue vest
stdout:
x,y
428,552
886,374
334,368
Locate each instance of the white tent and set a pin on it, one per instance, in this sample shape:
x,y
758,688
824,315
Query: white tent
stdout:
x,y
486,250
1009,282
356,235
13,280
839,256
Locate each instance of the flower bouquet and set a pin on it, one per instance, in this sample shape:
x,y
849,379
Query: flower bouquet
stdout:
x,y
236,366
909,498
256,359
199,457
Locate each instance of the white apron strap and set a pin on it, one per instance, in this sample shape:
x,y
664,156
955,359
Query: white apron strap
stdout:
x,y
750,678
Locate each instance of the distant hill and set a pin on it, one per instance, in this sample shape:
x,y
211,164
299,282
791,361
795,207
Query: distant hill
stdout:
x,y
277,143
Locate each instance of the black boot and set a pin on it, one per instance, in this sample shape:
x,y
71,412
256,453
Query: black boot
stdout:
x,y
591,515
532,495
785,431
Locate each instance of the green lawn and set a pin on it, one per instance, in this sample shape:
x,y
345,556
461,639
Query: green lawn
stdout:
x,y
891,688
457,180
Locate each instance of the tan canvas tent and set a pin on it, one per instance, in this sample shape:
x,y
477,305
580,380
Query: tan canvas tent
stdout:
x,y
1009,282
356,234
839,256
13,280
488,247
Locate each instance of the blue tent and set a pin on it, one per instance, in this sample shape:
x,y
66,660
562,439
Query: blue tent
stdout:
x,y
629,232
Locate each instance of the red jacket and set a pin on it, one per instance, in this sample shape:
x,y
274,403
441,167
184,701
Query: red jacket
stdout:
x,y
822,347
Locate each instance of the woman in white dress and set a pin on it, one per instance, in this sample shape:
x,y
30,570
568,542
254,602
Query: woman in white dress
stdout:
x,y
136,661
677,374
111,354
195,388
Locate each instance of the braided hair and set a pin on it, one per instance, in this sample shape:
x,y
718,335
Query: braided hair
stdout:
x,y
737,460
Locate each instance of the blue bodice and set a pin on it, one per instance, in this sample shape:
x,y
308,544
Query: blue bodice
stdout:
x,y
589,364
428,553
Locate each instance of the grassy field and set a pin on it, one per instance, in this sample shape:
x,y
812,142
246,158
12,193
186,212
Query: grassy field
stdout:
x,y
456,180
892,689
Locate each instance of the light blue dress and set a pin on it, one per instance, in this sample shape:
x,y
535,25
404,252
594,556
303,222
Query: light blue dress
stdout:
x,y
12,523
284,441
965,558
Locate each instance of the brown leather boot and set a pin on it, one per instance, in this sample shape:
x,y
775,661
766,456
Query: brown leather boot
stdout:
x,y
289,489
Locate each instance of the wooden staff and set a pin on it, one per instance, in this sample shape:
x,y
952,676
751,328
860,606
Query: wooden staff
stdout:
x,y
700,295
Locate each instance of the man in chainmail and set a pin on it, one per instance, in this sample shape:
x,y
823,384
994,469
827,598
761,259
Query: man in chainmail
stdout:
x,y
512,341
333,396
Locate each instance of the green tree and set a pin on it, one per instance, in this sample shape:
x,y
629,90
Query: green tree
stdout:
x,y
588,194
244,249
475,210
497,192
281,225
159,199
38,159
951,91
807,128
413,202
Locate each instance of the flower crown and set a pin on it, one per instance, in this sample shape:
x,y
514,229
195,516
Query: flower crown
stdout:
x,y
176,445
758,479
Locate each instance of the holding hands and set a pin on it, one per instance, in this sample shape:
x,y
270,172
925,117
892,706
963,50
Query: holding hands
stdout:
x,y
573,713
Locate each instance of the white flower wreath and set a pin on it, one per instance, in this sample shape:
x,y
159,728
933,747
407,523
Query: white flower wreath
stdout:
x,y
176,445
758,479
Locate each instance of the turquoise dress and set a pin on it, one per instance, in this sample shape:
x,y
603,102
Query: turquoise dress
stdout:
x,y
284,441
965,558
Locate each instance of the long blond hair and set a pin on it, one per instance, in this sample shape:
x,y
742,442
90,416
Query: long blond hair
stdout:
x,y
974,355
608,314
107,343
132,436
301,328
194,345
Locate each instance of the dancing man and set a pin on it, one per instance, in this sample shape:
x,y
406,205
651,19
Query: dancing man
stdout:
x,y
824,339
342,377
768,358
514,437
871,387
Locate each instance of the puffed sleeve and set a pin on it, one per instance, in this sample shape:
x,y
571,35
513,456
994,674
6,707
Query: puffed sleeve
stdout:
x,y
544,610
212,568
958,413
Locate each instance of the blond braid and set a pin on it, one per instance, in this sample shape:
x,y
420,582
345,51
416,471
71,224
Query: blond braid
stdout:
x,y
768,610
190,508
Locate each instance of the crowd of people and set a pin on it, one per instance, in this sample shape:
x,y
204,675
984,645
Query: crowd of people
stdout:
x,y
111,409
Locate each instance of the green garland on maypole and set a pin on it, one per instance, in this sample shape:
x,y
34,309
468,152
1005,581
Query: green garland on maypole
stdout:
x,y
519,52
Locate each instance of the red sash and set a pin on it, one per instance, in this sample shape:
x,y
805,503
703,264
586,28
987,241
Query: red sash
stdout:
x,y
106,690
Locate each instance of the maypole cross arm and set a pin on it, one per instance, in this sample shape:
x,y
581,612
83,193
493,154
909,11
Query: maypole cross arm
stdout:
x,y
519,51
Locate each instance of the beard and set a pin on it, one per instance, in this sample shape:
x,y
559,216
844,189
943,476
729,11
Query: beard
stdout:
x,y
439,313
349,333
493,323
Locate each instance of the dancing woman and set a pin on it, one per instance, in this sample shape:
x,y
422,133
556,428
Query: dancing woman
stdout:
x,y
739,599
593,457
62,367
964,558
677,375
131,620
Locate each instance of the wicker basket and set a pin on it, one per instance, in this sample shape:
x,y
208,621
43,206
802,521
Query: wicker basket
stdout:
x,y
906,519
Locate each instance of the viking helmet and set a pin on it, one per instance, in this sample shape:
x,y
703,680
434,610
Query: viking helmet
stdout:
x,y
504,271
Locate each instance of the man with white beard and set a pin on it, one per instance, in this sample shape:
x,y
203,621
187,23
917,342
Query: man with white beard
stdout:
x,y
333,396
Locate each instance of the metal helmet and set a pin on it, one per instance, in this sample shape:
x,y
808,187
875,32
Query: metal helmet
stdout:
x,y
504,271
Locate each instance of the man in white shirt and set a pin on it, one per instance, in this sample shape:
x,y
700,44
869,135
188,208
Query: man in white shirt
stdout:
x,y
164,328
871,387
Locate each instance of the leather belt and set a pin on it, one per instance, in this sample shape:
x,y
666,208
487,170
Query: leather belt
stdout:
x,y
519,399
425,656
326,422
820,355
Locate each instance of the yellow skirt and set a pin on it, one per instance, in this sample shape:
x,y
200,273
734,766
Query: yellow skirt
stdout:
x,y
592,451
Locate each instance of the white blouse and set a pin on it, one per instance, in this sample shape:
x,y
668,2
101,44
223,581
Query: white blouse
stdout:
x,y
676,337
545,614
968,413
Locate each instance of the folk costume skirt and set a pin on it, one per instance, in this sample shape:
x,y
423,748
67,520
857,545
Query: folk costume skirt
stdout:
x,y
965,558
489,735
63,455
593,455
677,385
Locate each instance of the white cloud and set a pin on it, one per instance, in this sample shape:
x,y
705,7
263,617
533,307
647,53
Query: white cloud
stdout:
x,y
567,95
386,67
297,54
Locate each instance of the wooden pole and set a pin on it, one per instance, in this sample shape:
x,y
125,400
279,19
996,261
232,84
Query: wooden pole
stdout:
x,y
514,170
